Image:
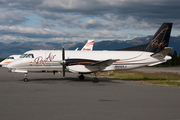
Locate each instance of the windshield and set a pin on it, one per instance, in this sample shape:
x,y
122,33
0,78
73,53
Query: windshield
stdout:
x,y
23,55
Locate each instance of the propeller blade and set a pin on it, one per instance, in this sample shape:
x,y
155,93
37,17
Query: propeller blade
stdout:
x,y
63,58
64,67
63,55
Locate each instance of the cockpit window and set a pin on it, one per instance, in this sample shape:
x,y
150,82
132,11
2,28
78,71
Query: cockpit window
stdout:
x,y
10,58
27,56
23,56
30,56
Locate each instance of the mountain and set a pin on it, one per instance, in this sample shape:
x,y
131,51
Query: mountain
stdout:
x,y
20,48
15,48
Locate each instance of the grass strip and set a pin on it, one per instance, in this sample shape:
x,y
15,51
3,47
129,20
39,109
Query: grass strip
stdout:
x,y
160,78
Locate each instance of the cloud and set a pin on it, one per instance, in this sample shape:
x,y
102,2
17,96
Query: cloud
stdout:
x,y
12,17
108,35
20,4
30,32
47,34
83,19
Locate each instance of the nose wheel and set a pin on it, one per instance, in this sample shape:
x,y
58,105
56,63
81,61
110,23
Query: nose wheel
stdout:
x,y
25,77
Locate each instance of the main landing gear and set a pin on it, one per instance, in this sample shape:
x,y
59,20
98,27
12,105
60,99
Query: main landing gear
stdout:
x,y
81,77
95,79
25,77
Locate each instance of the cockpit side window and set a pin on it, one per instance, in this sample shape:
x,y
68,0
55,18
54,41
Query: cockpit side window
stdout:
x,y
30,56
10,58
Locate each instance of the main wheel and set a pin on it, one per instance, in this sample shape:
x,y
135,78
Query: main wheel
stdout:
x,y
81,77
95,80
25,79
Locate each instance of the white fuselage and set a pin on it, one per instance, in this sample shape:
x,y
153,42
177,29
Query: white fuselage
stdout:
x,y
48,60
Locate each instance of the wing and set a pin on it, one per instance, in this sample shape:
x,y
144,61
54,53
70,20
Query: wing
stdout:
x,y
89,62
91,65
105,63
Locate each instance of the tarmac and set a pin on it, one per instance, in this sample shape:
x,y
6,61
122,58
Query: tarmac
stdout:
x,y
50,97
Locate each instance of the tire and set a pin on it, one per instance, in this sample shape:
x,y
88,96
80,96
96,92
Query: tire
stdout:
x,y
81,77
95,80
25,79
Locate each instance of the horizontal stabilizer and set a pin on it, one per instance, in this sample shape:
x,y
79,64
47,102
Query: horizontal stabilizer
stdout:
x,y
156,63
162,53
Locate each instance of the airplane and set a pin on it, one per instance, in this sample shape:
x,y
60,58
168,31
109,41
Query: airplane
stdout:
x,y
85,62
88,46
8,60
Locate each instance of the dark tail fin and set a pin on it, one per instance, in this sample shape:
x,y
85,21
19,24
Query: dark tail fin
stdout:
x,y
160,38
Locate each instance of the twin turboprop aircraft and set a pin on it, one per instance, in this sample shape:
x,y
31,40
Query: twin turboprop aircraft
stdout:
x,y
84,62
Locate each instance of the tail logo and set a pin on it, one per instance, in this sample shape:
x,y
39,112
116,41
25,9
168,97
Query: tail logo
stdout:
x,y
155,42
90,43
86,49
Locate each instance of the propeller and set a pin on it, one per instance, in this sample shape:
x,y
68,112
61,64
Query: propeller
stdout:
x,y
63,62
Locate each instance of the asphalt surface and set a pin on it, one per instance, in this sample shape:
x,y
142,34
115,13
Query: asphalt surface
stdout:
x,y
49,97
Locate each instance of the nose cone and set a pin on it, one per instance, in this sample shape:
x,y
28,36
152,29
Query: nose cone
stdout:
x,y
12,64
4,63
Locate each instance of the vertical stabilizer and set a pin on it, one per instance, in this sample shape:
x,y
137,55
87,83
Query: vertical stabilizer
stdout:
x,y
88,46
160,38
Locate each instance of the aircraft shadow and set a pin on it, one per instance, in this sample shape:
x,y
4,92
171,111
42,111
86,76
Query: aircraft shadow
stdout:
x,y
76,79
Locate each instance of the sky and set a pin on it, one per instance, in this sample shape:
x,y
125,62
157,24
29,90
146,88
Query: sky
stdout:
x,y
80,20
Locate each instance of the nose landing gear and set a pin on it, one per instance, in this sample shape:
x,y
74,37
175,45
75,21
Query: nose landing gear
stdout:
x,y
25,77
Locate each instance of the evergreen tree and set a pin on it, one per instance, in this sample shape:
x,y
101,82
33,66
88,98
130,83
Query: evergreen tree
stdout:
x,y
175,58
